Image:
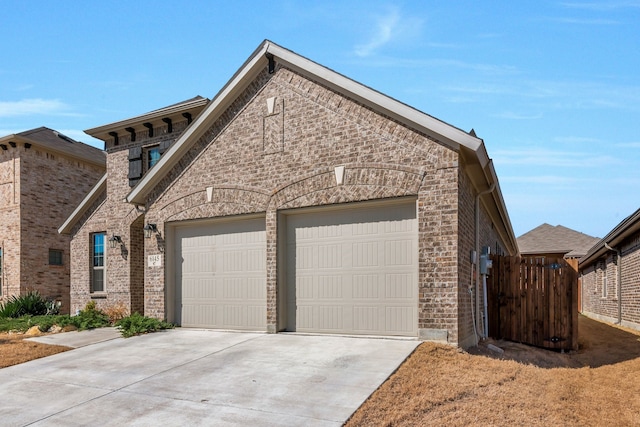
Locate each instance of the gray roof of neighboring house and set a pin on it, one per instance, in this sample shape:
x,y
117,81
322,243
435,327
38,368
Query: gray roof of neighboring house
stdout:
x,y
627,227
54,141
546,239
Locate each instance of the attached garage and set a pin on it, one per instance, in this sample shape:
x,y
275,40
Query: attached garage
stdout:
x,y
220,274
353,270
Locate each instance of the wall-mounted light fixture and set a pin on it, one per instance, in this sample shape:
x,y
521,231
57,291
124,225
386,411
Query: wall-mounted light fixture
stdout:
x,y
149,229
114,241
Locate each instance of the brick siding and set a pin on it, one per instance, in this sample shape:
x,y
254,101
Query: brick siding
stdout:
x,y
607,308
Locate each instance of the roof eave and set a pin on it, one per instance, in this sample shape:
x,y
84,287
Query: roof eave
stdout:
x,y
53,150
102,132
626,228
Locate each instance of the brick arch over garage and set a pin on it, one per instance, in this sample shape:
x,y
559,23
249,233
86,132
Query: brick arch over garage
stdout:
x,y
360,182
216,202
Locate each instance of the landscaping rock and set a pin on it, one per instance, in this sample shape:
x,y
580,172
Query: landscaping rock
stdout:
x,y
69,328
55,329
33,331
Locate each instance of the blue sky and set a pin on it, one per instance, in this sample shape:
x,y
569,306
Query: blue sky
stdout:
x,y
552,87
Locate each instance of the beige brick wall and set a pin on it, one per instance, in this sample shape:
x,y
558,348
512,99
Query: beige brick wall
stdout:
x,y
594,304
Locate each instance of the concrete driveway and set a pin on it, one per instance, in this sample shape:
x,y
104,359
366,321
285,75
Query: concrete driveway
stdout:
x,y
201,377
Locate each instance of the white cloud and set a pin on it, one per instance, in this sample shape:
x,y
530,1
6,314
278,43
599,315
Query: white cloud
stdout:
x,y
602,6
385,30
581,21
628,145
34,106
389,28
511,115
576,140
552,158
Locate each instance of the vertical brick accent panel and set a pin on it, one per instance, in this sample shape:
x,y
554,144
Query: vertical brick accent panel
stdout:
x,y
39,190
606,308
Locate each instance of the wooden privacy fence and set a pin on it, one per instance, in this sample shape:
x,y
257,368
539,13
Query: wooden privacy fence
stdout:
x,y
533,300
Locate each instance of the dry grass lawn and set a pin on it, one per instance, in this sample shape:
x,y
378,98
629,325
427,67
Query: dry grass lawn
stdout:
x,y
14,349
439,385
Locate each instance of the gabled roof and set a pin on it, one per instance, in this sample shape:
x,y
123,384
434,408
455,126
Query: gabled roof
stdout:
x,y
629,226
55,142
472,149
549,239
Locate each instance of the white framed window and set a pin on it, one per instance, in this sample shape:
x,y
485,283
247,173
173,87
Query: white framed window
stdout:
x,y
98,261
151,157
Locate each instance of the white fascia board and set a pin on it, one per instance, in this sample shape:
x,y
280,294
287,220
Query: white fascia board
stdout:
x,y
83,206
216,107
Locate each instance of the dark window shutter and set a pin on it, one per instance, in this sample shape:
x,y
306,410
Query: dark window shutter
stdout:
x,y
135,165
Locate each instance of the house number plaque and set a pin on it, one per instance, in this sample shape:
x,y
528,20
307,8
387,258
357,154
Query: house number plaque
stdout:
x,y
155,261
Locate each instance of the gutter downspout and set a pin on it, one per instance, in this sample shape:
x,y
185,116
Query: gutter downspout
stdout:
x,y
478,320
619,254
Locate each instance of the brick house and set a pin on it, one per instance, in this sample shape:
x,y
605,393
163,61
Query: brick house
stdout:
x,y
43,176
610,273
297,200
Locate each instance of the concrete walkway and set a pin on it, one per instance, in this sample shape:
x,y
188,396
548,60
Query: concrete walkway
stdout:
x,y
76,339
201,377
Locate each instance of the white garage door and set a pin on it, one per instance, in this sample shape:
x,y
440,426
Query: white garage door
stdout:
x,y
353,271
221,275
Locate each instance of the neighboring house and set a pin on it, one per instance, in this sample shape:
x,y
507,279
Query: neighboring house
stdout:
x,y
297,200
610,273
556,241
43,176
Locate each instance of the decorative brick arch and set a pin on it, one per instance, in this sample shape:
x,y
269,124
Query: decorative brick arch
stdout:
x,y
225,200
361,182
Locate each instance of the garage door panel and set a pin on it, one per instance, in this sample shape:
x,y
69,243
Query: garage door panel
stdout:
x,y
399,252
353,271
366,286
399,286
221,275
251,316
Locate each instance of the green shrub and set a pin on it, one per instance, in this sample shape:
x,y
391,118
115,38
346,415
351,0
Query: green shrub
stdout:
x,y
89,318
137,324
30,303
